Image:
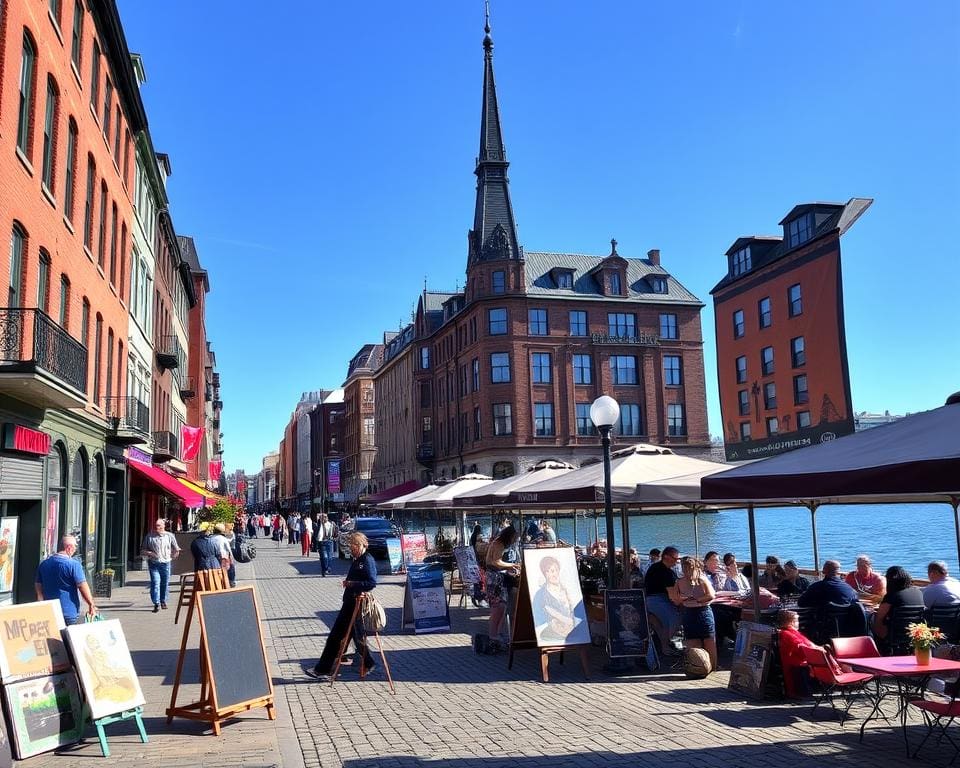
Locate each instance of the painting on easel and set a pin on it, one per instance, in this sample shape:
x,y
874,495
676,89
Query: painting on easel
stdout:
x,y
105,668
559,614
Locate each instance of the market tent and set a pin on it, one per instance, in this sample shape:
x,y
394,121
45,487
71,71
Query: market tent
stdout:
x,y
441,496
399,501
495,494
400,489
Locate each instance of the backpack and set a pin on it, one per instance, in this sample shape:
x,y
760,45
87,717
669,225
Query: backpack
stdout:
x,y
244,551
372,614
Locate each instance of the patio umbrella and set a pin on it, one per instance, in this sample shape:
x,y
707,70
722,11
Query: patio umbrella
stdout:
x,y
495,494
399,501
441,496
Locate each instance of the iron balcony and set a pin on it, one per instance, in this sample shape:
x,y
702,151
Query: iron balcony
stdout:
x,y
129,420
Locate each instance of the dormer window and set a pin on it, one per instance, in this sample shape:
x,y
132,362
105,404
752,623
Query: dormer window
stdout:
x,y
800,230
615,288
658,284
564,279
740,261
499,281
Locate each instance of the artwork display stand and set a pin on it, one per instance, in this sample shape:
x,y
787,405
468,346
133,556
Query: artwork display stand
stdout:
x,y
356,623
458,586
131,714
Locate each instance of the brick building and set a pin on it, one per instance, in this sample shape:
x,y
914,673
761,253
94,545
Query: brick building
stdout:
x,y
395,413
359,423
781,346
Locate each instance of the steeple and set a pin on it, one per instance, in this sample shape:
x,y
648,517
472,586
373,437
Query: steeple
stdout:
x,y
494,233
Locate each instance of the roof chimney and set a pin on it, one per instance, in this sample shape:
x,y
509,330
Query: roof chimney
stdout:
x,y
654,256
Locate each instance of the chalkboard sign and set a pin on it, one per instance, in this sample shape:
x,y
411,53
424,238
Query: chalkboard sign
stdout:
x,y
627,626
751,659
184,563
233,646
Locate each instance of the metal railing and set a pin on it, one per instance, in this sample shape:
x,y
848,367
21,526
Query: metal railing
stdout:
x,y
127,413
188,386
53,349
168,351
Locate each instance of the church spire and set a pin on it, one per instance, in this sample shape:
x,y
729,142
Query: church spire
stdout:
x,y
494,233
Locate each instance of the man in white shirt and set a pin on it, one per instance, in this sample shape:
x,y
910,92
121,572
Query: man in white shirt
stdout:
x,y
293,528
159,547
943,589
326,535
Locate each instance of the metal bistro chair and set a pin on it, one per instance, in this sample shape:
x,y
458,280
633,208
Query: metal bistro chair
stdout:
x,y
840,620
947,619
938,714
898,641
846,683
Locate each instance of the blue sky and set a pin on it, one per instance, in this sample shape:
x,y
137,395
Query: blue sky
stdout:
x,y
323,160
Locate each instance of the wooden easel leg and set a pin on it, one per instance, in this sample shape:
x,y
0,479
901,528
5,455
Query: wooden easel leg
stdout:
x,y
584,663
271,712
386,666
345,642
104,747
183,652
140,726
545,665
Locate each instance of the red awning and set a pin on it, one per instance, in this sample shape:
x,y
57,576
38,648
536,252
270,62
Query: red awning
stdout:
x,y
391,493
168,483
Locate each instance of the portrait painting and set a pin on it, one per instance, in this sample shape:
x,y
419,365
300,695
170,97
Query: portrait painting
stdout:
x,y
45,713
559,614
105,668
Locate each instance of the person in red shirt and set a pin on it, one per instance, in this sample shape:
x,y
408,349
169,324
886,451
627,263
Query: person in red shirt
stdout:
x,y
792,640
865,582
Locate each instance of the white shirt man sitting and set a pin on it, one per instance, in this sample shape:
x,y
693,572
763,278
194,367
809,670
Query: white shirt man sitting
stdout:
x,y
943,589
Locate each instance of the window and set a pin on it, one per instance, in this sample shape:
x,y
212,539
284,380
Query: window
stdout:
x,y
668,327
738,326
109,381
658,284
64,301
615,288
795,300
113,245
102,236
803,419
97,341
763,312
742,370
766,361
499,367
744,430
28,59
584,423
95,76
578,323
582,369
676,423
43,281
424,358
71,170
799,230
623,369
497,321
88,204
773,426
502,421
18,241
426,430
537,322
543,419
502,469
629,423
801,395
672,372
76,43
476,423
798,356
740,261
116,136
770,396
107,103
499,281
540,365
85,322
622,324
475,371
49,136
55,10
564,279
743,402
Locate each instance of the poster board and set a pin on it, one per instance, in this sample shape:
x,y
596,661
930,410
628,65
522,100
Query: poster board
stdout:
x,y
30,642
556,600
45,713
106,671
467,564
628,632
425,599
8,552
184,563
394,555
230,630
752,656
414,546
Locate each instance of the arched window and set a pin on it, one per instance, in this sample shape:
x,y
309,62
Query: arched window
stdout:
x,y
18,242
50,136
28,61
78,495
502,469
43,282
56,493
94,504
70,179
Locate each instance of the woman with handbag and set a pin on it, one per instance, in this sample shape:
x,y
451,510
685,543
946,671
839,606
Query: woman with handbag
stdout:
x,y
362,577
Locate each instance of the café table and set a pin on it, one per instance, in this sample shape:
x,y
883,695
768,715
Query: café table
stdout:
x,y
910,677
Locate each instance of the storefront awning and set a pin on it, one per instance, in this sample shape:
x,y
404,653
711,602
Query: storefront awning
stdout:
x,y
391,493
211,497
168,483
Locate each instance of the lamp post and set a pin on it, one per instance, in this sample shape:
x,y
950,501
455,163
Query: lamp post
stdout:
x,y
604,413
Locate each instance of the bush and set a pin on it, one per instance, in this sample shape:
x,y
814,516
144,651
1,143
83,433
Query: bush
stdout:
x,y
221,512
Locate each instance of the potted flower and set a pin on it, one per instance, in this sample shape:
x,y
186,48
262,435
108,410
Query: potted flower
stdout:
x,y
103,583
923,639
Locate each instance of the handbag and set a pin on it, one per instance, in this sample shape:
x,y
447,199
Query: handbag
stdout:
x,y
372,614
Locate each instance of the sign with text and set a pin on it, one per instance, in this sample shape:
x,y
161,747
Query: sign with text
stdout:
x,y
414,547
394,555
333,476
31,642
20,438
425,599
467,564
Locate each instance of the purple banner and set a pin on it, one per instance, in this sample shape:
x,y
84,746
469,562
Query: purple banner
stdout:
x,y
333,476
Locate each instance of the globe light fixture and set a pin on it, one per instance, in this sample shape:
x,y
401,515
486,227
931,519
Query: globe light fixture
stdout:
x,y
604,412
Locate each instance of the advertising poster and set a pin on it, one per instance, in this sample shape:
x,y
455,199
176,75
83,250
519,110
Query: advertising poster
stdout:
x,y
8,551
45,713
105,668
426,598
394,555
467,564
751,659
627,628
53,519
31,643
333,476
414,547
559,614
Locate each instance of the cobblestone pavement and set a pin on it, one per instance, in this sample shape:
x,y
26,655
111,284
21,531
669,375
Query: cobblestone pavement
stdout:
x,y
454,709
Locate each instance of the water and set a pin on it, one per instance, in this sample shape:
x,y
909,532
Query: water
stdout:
x,y
910,535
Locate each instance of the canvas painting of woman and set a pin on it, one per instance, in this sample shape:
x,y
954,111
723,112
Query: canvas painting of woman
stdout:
x,y
559,614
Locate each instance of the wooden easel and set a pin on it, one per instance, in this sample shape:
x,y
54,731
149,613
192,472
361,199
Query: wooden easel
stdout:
x,y
131,714
524,635
213,580
458,586
361,652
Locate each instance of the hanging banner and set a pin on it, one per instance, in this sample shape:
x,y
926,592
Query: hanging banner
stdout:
x,y
333,476
214,468
190,438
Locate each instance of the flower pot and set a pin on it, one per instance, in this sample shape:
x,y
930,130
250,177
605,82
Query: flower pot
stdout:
x,y
922,654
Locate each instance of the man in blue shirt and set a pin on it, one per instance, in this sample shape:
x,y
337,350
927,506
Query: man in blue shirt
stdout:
x,y
830,589
60,577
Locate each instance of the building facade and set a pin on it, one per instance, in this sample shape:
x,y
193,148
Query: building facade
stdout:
x,y
359,423
781,346
394,413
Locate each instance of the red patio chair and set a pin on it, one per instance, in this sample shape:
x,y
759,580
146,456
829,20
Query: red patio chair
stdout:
x,y
938,714
853,648
824,672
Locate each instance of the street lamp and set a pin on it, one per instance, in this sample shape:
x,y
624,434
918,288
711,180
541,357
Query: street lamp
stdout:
x,y
604,413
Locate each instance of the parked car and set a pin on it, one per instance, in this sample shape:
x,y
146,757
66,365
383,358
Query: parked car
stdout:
x,y
376,529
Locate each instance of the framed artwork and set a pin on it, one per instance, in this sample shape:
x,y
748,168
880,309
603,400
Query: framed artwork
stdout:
x,y
30,642
559,615
8,551
106,670
627,626
45,713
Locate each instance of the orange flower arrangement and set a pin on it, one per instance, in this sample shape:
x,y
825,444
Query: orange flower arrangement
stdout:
x,y
923,636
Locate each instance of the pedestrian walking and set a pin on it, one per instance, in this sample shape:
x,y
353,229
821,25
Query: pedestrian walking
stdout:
x,y
206,553
293,528
326,534
222,537
60,577
252,526
160,548
265,524
306,531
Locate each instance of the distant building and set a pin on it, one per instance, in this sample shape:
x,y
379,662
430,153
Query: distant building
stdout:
x,y
865,420
781,345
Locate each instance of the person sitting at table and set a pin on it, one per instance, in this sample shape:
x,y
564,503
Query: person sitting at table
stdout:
x,y
943,589
900,593
868,584
659,582
768,579
792,641
735,581
652,557
793,583
711,569
694,593
830,589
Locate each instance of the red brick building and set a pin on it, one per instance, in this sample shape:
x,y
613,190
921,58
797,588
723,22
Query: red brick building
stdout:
x,y
781,346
